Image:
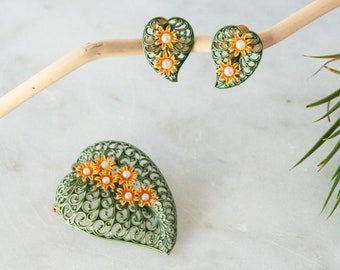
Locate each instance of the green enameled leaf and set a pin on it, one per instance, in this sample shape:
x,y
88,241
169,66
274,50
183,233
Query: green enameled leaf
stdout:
x,y
167,44
146,215
236,53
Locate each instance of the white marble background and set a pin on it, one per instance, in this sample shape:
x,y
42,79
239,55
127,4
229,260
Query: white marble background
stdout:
x,y
225,154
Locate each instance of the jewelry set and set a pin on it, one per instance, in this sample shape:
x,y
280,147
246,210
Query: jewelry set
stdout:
x,y
115,191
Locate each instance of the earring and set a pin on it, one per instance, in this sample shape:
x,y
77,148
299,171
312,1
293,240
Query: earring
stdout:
x,y
236,52
115,191
167,44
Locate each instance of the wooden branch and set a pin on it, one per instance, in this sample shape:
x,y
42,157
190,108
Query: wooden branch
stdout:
x,y
114,48
297,20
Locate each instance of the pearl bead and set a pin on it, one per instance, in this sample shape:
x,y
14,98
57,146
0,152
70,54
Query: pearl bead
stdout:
x,y
105,165
166,38
106,180
86,171
166,64
240,45
126,174
145,197
228,71
128,195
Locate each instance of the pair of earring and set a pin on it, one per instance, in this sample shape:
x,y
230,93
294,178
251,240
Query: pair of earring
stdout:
x,y
236,51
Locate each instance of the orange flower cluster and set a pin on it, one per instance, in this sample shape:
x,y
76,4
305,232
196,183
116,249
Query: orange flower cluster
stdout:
x,y
104,171
238,45
166,61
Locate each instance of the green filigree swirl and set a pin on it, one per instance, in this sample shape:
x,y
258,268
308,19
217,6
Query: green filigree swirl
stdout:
x,y
236,53
86,204
167,44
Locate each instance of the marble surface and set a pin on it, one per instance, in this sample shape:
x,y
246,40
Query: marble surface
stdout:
x,y
225,154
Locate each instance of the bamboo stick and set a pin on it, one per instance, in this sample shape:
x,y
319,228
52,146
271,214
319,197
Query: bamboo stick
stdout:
x,y
114,48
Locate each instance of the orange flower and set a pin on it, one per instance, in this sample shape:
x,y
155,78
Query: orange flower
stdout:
x,y
86,170
127,194
146,196
104,163
126,175
106,179
240,44
166,37
166,63
228,72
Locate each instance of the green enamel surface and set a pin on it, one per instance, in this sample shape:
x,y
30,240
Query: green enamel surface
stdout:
x,y
91,209
221,53
181,49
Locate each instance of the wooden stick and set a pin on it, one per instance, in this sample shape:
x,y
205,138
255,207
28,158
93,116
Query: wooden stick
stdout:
x,y
113,48
297,20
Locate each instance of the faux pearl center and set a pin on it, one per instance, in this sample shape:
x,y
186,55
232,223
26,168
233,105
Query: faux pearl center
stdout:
x,y
86,171
128,195
228,71
145,197
105,165
106,180
166,64
126,174
166,38
240,45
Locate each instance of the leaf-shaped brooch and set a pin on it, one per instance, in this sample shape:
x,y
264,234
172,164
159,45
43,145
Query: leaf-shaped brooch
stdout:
x,y
116,191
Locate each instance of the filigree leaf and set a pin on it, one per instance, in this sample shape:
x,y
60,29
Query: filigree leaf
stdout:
x,y
167,44
236,52
132,204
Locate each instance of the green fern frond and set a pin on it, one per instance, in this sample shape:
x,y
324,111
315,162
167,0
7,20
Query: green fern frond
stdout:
x,y
330,134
